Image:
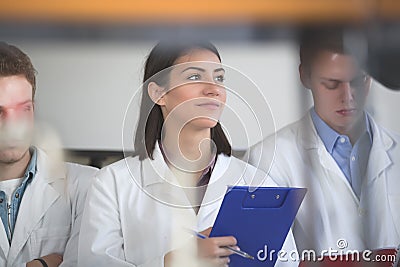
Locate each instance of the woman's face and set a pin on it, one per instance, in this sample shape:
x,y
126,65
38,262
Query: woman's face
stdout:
x,y
195,95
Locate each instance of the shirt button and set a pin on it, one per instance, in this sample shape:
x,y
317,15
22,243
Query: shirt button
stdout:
x,y
342,140
17,195
353,158
1,200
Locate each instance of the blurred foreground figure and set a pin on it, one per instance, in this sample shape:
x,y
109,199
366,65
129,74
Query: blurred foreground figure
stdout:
x,y
41,198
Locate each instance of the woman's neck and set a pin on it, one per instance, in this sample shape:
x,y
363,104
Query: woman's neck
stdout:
x,y
190,150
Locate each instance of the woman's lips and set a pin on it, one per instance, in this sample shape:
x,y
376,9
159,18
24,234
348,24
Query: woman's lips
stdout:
x,y
209,105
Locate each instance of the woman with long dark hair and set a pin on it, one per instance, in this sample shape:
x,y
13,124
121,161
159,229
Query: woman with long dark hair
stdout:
x,y
140,210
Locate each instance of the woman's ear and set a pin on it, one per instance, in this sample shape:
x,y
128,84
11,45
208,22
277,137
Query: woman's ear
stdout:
x,y
156,93
305,76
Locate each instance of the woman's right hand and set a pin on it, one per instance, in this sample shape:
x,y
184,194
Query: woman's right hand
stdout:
x,y
210,250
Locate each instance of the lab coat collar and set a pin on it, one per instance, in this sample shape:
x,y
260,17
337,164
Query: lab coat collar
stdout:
x,y
308,136
325,132
216,189
159,182
378,159
51,170
155,171
38,198
311,141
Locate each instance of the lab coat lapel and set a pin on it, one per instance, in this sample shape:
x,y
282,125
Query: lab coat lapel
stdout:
x,y
311,141
38,198
162,186
5,247
220,178
228,171
374,196
316,150
160,183
379,159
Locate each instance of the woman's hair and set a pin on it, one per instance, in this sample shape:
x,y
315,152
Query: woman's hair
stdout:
x,y
161,57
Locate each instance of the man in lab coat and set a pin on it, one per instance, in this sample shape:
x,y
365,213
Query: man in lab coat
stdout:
x,y
349,164
41,200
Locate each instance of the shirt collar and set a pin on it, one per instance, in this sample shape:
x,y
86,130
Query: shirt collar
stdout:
x,y
369,128
31,169
330,136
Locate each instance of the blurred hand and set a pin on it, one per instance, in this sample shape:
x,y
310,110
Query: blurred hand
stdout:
x,y
52,260
211,249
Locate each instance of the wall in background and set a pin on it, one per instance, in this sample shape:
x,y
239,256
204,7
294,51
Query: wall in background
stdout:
x,y
84,88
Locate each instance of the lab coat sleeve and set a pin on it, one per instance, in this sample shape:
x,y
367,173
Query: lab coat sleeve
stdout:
x,y
101,242
269,157
78,181
262,154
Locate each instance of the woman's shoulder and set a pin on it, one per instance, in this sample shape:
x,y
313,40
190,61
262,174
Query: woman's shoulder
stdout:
x,y
249,175
120,170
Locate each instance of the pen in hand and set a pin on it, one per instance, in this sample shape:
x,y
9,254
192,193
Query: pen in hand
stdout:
x,y
235,251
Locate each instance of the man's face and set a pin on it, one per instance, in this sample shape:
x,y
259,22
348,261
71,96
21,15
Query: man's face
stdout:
x,y
339,88
16,117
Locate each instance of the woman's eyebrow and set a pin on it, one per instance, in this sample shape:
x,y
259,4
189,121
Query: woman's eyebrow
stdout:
x,y
202,70
194,68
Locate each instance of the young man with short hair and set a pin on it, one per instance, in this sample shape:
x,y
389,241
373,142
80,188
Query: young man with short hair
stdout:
x,y
41,200
348,163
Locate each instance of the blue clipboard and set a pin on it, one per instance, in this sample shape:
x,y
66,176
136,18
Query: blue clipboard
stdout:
x,y
258,217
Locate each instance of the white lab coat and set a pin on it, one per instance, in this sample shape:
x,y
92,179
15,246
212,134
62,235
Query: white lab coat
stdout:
x,y
134,214
330,210
49,215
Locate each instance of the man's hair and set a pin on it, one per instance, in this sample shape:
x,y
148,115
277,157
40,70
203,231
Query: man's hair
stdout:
x,y
313,41
15,62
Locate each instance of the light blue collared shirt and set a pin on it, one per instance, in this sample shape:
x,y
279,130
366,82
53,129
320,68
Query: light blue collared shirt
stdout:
x,y
17,197
352,160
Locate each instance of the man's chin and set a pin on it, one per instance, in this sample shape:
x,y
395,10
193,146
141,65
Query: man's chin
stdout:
x,y
12,155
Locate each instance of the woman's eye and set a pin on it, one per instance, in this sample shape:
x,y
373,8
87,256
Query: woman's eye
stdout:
x,y
194,77
220,78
